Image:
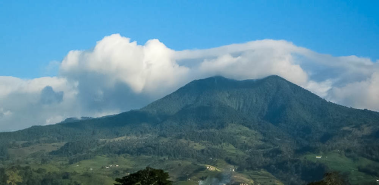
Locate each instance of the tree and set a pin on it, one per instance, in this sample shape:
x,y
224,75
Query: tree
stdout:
x,y
148,176
332,178
3,176
13,177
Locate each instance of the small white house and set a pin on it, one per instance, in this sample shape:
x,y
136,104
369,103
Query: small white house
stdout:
x,y
318,157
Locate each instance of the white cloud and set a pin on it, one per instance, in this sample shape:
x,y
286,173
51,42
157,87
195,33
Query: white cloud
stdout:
x,y
5,113
142,68
21,103
360,94
118,75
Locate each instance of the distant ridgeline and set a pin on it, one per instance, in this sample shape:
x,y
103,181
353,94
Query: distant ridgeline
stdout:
x,y
268,130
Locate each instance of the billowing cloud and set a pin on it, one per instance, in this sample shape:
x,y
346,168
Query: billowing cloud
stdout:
x,y
118,75
117,60
359,94
49,96
22,103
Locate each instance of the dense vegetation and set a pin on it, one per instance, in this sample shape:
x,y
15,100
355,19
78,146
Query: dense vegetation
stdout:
x,y
149,176
331,178
252,125
27,176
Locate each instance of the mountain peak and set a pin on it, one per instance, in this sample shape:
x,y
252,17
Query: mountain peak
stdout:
x,y
273,77
219,77
211,80
271,99
234,93
220,80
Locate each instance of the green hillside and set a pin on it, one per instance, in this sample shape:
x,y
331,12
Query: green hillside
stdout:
x,y
265,131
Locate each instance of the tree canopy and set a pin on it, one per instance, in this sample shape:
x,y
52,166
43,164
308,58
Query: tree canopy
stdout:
x,y
148,176
331,178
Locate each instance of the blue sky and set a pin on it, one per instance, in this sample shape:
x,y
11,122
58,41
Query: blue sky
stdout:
x,y
34,33
328,47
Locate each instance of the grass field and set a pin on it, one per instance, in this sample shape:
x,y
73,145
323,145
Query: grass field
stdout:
x,y
337,161
186,172
182,172
104,169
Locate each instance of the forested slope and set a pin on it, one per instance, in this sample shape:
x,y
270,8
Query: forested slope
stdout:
x,y
268,124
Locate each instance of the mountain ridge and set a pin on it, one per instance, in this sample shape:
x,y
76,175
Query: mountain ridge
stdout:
x,y
267,124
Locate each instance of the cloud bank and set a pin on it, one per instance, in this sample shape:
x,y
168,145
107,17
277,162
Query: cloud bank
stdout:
x,y
118,75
